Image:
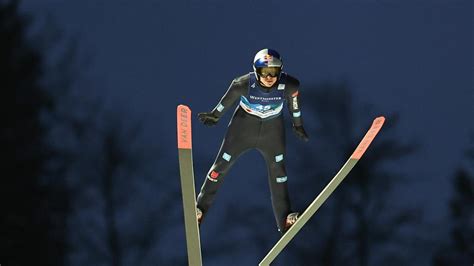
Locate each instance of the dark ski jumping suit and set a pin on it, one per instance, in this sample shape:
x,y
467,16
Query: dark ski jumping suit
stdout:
x,y
257,123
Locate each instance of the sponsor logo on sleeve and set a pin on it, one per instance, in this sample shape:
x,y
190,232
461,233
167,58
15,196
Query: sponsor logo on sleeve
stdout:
x,y
213,176
226,156
295,102
279,158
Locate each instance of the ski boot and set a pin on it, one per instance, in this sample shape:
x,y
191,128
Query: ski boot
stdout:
x,y
198,215
291,220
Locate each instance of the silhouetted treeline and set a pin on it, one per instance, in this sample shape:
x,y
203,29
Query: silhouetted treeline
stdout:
x,y
458,248
81,184
33,213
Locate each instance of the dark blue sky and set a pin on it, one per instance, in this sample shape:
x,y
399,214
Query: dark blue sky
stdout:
x,y
410,57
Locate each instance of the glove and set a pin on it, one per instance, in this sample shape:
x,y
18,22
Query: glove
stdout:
x,y
208,119
300,133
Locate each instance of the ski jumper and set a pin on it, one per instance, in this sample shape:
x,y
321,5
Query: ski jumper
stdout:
x,y
257,123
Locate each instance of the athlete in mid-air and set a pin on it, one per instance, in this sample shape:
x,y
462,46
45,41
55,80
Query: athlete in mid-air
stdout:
x,y
257,123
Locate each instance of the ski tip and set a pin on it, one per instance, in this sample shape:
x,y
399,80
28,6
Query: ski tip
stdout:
x,y
183,106
368,138
378,121
183,117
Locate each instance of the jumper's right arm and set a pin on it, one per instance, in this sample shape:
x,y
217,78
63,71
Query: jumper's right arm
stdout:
x,y
235,90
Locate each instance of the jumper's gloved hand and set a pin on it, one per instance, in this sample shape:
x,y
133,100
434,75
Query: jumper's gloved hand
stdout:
x,y
208,119
300,133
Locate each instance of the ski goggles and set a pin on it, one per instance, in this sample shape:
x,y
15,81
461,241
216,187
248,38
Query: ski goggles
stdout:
x,y
268,71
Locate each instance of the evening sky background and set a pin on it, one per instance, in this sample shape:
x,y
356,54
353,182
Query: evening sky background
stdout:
x,y
414,58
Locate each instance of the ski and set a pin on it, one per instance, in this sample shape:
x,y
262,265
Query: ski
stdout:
x,y
185,154
325,193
